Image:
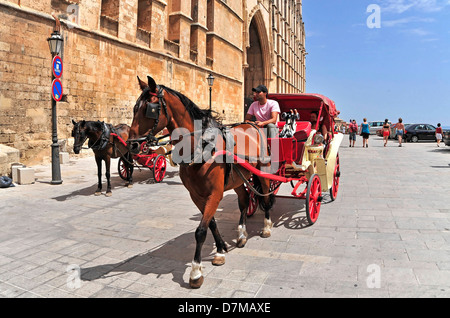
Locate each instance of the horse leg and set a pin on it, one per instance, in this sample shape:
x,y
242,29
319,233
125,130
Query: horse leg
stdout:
x,y
219,258
266,204
196,277
243,207
108,176
98,160
130,167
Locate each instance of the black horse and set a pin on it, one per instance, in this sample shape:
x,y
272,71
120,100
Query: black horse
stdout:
x,y
107,142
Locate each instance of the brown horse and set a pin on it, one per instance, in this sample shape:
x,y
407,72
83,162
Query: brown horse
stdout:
x,y
206,178
105,146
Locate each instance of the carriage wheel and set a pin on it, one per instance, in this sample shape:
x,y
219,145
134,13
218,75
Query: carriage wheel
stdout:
x,y
336,176
159,168
313,199
274,185
253,201
123,169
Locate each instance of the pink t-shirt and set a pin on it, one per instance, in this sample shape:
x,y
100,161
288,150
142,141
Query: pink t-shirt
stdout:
x,y
264,112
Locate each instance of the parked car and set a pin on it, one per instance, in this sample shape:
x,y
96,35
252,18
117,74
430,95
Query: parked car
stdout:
x,y
374,126
418,132
446,137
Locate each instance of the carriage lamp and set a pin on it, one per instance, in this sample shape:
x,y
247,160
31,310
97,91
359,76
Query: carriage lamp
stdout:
x,y
55,43
210,79
318,139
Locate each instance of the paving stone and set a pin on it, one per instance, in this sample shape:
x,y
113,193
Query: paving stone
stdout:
x,y
140,242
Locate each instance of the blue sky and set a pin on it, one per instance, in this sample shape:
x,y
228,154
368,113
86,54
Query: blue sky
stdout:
x,y
401,69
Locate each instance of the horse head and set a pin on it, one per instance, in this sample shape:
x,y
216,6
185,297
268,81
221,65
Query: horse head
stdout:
x,y
148,116
79,135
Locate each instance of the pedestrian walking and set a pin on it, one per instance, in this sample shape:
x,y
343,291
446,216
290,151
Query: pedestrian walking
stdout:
x,y
438,134
352,129
386,130
365,132
400,131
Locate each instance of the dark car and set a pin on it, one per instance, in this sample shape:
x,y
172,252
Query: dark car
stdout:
x,y
446,137
418,132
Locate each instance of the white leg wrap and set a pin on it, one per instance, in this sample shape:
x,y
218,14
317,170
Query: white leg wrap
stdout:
x,y
196,271
242,233
267,224
220,255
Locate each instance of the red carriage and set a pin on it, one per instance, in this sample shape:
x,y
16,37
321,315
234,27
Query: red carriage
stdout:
x,y
306,159
152,157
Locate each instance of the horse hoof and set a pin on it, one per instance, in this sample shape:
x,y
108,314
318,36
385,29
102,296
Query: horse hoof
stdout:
x,y
241,243
266,233
108,194
218,260
196,283
97,193
129,186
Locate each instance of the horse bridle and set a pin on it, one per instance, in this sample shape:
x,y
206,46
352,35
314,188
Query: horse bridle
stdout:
x,y
153,111
78,132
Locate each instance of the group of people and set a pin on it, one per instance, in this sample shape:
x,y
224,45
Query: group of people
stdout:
x,y
385,131
363,131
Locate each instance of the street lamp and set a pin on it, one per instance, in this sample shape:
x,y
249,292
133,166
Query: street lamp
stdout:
x,y
55,43
210,79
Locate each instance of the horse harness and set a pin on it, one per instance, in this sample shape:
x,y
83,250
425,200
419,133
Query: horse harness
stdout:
x,y
102,141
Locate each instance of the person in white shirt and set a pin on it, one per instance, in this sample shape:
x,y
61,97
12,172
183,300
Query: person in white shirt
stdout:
x,y
265,110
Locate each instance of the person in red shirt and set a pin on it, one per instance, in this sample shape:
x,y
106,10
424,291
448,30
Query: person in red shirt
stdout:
x,y
438,134
352,129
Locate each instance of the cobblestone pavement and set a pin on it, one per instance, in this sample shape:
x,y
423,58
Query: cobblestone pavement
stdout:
x,y
386,235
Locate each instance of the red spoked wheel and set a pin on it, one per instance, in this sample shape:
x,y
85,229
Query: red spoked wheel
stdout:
x,y
253,200
335,186
313,199
159,168
274,185
123,169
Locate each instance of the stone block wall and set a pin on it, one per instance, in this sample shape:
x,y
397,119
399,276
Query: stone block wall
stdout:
x,y
107,43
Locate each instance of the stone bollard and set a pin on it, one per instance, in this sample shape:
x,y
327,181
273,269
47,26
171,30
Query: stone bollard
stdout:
x,y
26,175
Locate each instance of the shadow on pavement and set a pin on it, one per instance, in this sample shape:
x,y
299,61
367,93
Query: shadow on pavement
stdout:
x,y
175,256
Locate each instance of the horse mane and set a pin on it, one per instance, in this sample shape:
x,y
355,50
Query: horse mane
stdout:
x,y
94,124
208,118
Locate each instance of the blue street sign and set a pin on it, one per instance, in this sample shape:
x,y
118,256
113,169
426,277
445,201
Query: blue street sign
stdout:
x,y
57,66
57,90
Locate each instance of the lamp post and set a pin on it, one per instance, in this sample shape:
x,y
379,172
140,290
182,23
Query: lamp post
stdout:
x,y
55,42
210,79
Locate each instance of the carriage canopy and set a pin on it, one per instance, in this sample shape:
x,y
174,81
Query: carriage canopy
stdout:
x,y
307,103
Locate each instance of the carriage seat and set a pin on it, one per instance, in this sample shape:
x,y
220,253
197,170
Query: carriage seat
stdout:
x,y
302,131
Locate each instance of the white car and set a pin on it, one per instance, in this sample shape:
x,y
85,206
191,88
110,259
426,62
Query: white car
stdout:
x,y
376,125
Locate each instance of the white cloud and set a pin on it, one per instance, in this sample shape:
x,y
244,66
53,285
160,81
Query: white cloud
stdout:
x,y
403,21
418,31
400,6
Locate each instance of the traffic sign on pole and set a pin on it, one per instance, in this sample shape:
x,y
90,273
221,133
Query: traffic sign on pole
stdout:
x,y
57,66
57,90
